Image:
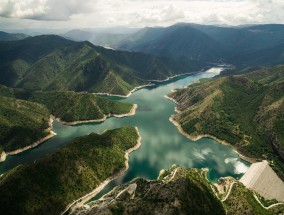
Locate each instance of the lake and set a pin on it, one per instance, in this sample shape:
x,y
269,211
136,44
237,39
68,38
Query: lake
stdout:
x,y
162,144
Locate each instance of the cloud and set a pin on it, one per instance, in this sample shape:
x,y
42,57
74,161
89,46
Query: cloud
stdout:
x,y
43,9
141,13
239,167
201,154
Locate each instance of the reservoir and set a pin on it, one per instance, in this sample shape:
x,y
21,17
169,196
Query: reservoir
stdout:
x,y
162,144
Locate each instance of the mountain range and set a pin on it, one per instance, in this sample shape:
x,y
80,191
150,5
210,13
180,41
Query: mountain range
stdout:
x,y
51,62
240,46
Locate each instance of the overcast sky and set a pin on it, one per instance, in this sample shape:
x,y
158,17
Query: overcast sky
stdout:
x,y
136,13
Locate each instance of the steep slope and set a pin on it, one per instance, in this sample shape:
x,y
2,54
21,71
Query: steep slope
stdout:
x,y
240,111
97,38
10,37
239,39
241,46
54,63
16,57
21,123
176,191
175,42
180,191
50,184
259,57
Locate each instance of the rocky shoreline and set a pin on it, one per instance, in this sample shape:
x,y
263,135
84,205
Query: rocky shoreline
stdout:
x,y
145,85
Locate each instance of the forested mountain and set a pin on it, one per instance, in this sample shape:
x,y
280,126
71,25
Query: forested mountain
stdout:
x,y
53,63
177,41
48,185
179,191
240,46
10,37
245,110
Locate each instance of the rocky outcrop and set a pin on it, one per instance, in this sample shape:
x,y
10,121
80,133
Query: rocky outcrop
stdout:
x,y
3,156
176,191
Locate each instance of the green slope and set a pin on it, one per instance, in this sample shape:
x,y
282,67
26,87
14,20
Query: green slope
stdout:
x,y
10,37
70,106
242,201
54,63
246,113
177,41
179,191
50,184
21,123
241,46
24,114
176,191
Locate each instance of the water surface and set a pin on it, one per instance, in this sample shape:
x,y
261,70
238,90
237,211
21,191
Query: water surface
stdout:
x,y
162,144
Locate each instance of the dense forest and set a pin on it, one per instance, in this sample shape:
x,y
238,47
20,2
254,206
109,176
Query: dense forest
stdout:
x,y
48,185
24,114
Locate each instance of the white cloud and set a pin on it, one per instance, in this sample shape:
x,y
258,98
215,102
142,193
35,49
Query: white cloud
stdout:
x,y
140,13
202,153
43,9
238,165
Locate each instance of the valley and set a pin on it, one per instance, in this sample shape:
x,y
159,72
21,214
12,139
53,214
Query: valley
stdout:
x,y
194,104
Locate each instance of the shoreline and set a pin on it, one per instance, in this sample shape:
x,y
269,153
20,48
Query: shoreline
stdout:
x,y
200,136
130,92
171,77
146,85
171,99
51,134
80,202
132,112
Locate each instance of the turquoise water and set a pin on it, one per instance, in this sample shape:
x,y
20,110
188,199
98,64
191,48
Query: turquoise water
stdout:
x,y
162,144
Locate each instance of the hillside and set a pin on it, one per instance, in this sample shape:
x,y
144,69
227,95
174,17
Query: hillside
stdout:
x,y
10,37
21,123
70,106
179,191
176,41
97,38
24,115
64,176
54,63
241,46
246,111
176,191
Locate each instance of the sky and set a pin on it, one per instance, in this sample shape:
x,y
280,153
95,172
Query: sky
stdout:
x,y
136,13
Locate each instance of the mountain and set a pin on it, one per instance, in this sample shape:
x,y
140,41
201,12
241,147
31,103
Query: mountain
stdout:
x,y
96,38
176,191
53,63
245,110
261,57
239,39
240,46
48,185
10,37
177,41
179,191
